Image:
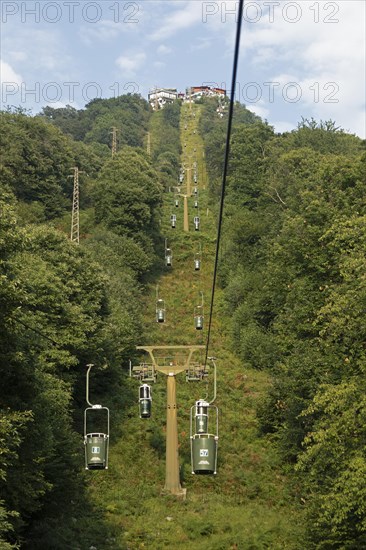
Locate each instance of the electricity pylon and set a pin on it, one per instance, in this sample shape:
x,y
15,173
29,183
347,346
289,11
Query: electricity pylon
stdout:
x,y
114,140
74,236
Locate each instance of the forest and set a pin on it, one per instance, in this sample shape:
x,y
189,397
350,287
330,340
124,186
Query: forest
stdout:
x,y
292,269
291,277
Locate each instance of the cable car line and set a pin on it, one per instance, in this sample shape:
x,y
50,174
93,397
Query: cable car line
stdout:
x,y
36,331
226,163
203,432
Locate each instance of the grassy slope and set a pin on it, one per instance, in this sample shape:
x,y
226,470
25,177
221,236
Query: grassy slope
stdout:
x,y
247,505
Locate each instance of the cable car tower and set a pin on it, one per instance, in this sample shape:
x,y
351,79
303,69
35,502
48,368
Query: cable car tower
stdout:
x,y
171,360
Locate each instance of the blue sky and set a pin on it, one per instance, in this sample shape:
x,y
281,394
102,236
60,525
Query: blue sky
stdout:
x,y
304,58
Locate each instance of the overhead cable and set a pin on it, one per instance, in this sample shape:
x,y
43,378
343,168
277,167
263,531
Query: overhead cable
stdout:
x,y
226,163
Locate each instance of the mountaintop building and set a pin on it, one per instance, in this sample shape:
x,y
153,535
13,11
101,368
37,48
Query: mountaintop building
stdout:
x,y
196,92
159,97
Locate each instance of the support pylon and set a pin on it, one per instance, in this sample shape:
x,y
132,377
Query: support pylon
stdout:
x,y
149,143
189,175
185,214
114,140
171,368
172,482
75,223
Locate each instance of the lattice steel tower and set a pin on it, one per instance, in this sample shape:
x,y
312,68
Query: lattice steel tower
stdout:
x,y
114,140
75,207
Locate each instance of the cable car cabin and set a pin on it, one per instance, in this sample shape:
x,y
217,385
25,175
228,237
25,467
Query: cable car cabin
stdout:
x,y
160,311
196,223
168,257
198,322
176,202
198,316
197,264
160,316
195,191
173,220
196,204
96,442
145,400
145,372
181,178
203,443
195,372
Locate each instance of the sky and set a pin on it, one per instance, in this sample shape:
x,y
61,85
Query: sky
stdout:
x,y
297,59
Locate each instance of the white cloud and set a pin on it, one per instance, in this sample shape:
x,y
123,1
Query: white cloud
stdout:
x,y
18,55
47,55
326,59
104,31
187,16
314,55
259,109
163,50
282,126
61,104
159,65
200,44
131,63
10,83
8,74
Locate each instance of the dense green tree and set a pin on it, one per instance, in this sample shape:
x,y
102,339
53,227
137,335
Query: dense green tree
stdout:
x,y
128,113
37,162
292,265
53,311
63,306
124,178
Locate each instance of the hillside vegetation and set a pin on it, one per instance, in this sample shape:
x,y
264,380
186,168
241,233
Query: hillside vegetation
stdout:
x,y
287,329
292,272
248,504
